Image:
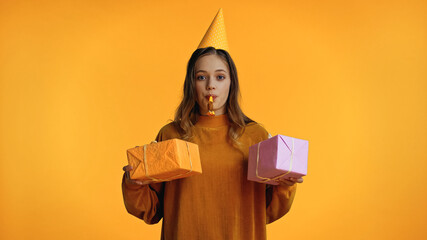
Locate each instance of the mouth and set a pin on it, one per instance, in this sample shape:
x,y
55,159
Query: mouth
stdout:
x,y
213,97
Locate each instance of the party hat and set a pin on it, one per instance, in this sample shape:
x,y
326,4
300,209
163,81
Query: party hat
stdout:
x,y
216,36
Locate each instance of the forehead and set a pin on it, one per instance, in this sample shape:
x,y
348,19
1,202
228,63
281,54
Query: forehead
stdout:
x,y
211,62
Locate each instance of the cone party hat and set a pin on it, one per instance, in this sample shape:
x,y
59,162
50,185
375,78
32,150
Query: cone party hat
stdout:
x,y
216,36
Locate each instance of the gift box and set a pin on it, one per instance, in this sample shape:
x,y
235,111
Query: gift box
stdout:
x,y
277,157
164,161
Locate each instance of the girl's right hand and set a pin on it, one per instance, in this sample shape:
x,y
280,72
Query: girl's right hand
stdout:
x,y
127,168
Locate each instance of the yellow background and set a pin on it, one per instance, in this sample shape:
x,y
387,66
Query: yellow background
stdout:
x,y
82,81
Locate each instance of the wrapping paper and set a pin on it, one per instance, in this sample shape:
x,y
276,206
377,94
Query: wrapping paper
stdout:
x,y
277,157
164,161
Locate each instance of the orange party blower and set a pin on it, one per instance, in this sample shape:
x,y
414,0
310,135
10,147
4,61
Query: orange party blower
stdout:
x,y
164,161
210,107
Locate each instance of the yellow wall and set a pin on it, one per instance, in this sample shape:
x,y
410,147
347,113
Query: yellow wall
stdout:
x,y
82,81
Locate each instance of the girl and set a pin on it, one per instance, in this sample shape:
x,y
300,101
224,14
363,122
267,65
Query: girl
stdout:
x,y
220,203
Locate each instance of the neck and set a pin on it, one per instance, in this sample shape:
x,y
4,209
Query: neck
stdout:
x,y
212,121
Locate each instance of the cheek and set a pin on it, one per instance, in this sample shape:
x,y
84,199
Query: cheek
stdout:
x,y
199,92
226,90
197,89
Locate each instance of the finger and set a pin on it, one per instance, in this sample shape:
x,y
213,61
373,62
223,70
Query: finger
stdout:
x,y
143,182
299,180
136,182
285,181
290,183
127,168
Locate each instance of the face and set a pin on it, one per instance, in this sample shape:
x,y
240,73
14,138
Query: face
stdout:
x,y
212,77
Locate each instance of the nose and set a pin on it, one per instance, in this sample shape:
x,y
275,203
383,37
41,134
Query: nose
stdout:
x,y
209,85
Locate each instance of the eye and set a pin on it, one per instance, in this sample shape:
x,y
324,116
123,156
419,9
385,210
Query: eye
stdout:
x,y
199,77
221,77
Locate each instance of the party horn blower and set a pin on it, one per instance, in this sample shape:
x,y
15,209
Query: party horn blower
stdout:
x,y
210,107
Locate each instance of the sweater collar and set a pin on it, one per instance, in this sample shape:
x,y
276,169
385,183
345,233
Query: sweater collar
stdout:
x,y
212,121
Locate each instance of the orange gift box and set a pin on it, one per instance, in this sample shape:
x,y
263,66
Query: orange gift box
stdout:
x,y
164,161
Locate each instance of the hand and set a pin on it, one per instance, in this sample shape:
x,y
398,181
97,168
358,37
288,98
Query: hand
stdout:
x,y
289,182
127,168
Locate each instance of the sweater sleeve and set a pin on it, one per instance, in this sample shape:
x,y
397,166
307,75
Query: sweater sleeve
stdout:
x,y
279,199
145,202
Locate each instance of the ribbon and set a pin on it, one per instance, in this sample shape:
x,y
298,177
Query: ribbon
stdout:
x,y
265,179
171,178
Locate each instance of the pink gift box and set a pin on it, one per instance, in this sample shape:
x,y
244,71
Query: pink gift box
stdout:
x,y
278,155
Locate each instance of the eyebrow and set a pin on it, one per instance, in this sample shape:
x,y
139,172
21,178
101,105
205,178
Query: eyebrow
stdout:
x,y
218,70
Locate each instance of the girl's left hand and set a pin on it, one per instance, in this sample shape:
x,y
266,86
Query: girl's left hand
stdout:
x,y
289,182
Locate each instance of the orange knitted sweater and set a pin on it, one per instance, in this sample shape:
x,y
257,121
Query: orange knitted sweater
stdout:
x,y
218,204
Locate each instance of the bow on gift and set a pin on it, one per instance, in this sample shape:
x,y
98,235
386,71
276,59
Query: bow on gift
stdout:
x,y
265,179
